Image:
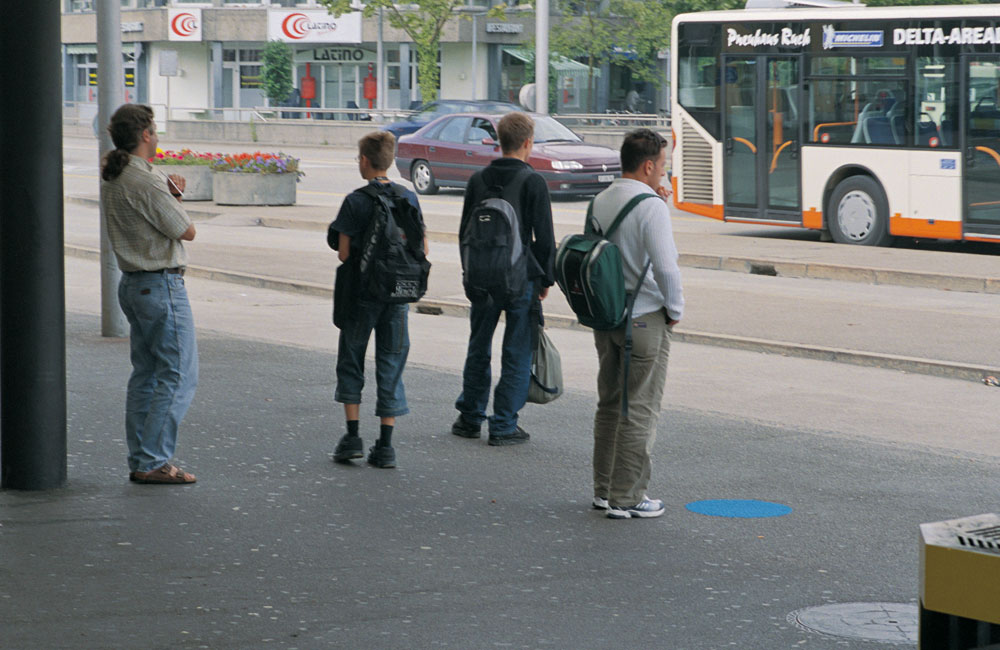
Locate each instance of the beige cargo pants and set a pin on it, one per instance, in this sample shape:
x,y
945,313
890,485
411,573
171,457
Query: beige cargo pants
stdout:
x,y
622,445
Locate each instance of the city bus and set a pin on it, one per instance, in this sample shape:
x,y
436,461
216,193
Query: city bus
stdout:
x,y
866,123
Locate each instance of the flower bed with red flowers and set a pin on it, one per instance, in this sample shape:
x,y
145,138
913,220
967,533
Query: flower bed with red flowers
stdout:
x,y
258,163
183,157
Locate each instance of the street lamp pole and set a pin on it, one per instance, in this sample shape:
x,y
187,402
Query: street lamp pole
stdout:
x,y
542,57
475,54
109,98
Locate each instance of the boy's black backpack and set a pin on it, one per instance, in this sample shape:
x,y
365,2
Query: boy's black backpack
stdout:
x,y
392,265
494,259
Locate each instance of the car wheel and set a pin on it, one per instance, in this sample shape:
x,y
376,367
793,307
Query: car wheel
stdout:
x,y
423,178
858,213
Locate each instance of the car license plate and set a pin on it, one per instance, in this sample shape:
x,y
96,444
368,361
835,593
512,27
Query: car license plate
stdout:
x,y
605,178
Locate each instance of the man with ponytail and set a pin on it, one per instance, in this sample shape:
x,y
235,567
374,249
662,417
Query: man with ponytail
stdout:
x,y
146,225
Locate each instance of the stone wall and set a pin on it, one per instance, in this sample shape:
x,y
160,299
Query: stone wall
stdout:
x,y
338,133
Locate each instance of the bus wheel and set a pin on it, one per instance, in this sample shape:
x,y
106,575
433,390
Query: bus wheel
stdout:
x,y
859,213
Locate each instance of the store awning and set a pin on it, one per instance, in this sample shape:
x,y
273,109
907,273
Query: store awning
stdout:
x,y
560,63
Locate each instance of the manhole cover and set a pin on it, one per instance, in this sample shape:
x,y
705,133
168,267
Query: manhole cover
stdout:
x,y
894,623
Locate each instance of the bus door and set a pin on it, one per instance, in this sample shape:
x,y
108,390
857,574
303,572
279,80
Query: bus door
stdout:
x,y
982,145
761,134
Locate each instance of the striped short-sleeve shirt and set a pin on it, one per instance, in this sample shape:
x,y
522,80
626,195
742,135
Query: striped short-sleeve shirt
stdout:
x,y
145,222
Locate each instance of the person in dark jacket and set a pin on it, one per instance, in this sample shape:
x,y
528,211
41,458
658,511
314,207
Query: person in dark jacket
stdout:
x,y
358,313
532,204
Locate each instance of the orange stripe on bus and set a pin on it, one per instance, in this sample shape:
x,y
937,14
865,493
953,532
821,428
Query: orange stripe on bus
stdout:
x,y
812,218
705,210
926,228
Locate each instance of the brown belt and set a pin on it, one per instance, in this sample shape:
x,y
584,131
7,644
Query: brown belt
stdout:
x,y
177,270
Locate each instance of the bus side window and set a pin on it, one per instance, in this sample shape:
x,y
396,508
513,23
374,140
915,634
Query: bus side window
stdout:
x,y
935,106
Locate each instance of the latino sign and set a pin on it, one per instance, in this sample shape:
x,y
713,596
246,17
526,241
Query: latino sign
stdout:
x,y
184,24
311,26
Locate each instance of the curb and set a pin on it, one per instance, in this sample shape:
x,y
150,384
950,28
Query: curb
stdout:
x,y
751,265
842,272
91,202
916,365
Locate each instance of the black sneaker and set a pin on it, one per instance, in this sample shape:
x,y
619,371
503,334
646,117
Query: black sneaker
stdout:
x,y
348,448
383,457
464,429
517,437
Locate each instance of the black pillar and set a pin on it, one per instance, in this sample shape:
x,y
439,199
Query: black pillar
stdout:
x,y
32,290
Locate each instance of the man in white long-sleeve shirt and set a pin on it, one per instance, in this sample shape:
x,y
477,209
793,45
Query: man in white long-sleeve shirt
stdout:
x,y
622,443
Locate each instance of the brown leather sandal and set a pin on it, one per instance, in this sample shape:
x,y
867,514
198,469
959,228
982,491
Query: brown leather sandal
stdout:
x,y
165,475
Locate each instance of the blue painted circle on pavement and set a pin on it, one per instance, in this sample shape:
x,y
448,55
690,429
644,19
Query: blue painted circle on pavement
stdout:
x,y
739,508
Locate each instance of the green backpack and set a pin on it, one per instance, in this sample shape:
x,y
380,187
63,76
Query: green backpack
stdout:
x,y
589,272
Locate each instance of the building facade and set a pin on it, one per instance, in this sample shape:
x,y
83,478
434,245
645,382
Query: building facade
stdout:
x,y
194,58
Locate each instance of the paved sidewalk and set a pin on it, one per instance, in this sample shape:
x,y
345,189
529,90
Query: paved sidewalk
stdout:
x,y
464,545
769,252
840,317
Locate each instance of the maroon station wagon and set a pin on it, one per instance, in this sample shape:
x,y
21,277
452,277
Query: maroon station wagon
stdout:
x,y
447,151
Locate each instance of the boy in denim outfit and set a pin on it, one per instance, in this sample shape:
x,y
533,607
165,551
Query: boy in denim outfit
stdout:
x,y
357,313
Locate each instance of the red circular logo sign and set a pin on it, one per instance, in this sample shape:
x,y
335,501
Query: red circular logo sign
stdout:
x,y
184,24
295,26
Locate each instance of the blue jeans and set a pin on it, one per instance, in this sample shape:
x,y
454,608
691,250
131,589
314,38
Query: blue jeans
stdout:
x,y
164,365
392,345
515,370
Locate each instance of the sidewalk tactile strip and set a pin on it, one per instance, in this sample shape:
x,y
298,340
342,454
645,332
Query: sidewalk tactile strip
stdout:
x,y
892,623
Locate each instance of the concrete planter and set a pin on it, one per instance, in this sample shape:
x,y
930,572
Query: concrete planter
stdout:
x,y
236,188
197,179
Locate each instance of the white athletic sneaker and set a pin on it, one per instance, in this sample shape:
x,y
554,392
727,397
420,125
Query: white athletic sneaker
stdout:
x,y
646,508
600,504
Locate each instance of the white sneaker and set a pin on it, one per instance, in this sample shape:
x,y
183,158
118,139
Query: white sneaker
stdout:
x,y
647,508
600,504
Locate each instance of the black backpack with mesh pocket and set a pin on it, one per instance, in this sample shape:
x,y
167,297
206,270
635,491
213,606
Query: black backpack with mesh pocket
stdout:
x,y
393,267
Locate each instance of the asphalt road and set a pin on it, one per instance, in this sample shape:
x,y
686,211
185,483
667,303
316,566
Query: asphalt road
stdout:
x,y
464,545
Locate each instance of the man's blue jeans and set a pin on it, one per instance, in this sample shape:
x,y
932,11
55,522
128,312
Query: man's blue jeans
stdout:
x,y
515,370
164,365
392,346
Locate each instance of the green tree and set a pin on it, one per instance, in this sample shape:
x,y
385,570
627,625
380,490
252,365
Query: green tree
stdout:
x,y
422,23
277,72
588,36
628,33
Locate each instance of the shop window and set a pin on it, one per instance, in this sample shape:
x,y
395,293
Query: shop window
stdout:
x,y
250,76
249,55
